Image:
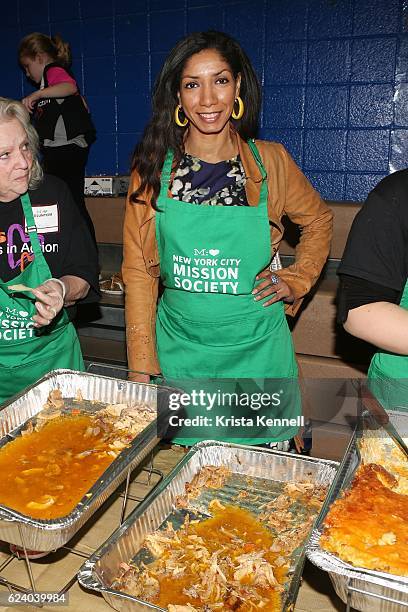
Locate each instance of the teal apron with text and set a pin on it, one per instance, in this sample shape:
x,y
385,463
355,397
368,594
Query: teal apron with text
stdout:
x,y
208,325
26,352
388,374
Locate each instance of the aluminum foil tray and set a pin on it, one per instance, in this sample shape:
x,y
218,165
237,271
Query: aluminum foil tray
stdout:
x,y
46,535
382,592
262,472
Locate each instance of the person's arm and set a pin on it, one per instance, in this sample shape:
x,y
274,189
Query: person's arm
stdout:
x,y
141,291
55,91
76,288
383,324
373,270
60,85
54,294
304,206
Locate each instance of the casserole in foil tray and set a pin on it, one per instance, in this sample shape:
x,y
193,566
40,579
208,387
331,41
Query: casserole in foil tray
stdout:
x,y
47,535
260,473
365,590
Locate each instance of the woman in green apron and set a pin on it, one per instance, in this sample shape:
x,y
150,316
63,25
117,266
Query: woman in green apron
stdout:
x,y
39,221
373,296
204,214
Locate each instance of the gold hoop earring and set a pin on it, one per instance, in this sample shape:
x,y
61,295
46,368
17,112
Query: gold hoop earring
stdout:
x,y
177,119
240,112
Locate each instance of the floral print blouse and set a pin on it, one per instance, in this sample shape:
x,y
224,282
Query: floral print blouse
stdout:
x,y
200,182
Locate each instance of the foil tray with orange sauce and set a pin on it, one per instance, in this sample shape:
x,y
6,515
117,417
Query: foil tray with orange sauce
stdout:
x,y
46,473
84,395
253,524
63,451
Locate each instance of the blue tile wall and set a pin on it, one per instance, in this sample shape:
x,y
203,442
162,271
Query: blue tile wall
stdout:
x,y
131,34
62,11
325,150
33,12
334,74
285,62
371,105
327,106
283,107
367,150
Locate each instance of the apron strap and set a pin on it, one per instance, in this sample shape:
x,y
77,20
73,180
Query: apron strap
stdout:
x,y
263,196
257,156
166,173
32,232
31,226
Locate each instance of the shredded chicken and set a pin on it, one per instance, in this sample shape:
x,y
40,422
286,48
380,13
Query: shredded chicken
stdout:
x,y
211,561
231,571
120,422
210,476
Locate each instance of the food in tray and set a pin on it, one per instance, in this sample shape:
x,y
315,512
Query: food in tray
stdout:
x,y
235,560
280,514
383,451
49,468
112,285
210,477
368,526
226,562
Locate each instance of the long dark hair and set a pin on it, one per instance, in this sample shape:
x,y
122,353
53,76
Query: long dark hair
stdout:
x,y
162,133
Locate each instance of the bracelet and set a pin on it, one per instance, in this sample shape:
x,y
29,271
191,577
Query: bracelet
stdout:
x,y
64,289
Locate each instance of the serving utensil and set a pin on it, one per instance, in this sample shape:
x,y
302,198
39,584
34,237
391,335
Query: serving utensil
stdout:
x,y
19,287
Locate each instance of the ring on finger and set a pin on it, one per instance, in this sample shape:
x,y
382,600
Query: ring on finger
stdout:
x,y
54,312
275,279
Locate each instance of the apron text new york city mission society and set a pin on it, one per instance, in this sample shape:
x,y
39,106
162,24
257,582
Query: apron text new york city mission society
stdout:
x,y
211,275
14,325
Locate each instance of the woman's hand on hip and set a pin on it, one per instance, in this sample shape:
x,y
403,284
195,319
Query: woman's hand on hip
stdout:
x,y
271,284
49,302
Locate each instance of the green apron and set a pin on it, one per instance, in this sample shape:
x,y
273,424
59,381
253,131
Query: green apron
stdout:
x,y
208,325
388,374
26,352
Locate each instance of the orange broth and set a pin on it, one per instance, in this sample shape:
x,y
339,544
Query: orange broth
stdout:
x,y
45,466
255,537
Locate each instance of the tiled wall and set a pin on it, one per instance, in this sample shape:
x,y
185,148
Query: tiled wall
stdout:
x,y
334,74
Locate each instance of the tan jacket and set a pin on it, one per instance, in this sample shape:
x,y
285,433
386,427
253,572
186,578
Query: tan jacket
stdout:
x,y
289,193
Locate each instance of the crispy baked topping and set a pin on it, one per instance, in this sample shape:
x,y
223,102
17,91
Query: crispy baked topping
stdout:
x,y
368,526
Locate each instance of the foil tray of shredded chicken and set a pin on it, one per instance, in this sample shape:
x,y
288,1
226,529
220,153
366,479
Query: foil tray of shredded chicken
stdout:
x,y
96,392
382,591
256,478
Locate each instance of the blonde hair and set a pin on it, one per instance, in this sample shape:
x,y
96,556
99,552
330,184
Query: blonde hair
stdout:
x,y
53,46
12,109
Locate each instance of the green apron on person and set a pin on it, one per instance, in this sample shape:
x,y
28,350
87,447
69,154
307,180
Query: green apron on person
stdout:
x,y
388,374
209,327
27,352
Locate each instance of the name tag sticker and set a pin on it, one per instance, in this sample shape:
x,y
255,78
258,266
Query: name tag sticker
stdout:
x,y
46,218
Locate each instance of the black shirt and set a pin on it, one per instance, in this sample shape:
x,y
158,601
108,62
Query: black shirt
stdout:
x,y
66,242
376,252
